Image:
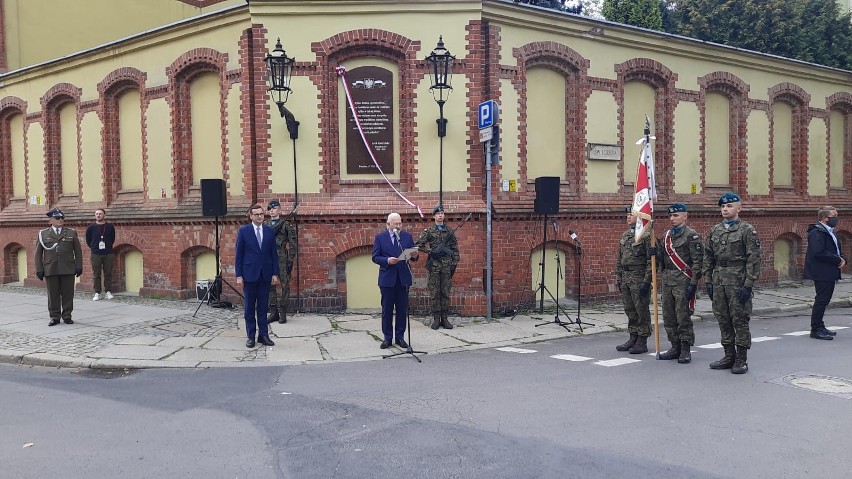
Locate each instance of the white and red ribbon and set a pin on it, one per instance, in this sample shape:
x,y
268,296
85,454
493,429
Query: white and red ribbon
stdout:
x,y
341,72
679,263
646,190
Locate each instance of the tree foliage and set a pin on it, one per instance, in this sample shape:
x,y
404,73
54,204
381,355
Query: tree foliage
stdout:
x,y
640,13
808,30
561,5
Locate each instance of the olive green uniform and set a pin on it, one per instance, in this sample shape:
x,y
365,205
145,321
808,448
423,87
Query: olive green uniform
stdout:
x,y
441,265
632,269
677,314
59,258
285,241
731,262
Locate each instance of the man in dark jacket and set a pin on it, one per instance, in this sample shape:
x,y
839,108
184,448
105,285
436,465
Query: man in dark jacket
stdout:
x,y
822,264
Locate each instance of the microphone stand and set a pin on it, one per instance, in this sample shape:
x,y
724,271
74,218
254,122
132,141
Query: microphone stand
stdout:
x,y
578,254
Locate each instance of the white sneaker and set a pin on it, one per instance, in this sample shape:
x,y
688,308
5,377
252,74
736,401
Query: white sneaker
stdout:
x,y
96,297
109,295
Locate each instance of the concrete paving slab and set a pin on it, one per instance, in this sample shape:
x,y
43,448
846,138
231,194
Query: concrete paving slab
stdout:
x,y
199,355
369,324
351,346
301,327
352,317
294,349
181,327
55,360
184,342
66,331
132,351
433,340
236,343
12,355
234,333
486,333
141,340
114,321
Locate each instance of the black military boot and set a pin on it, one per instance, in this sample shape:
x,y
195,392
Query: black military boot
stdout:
x,y
282,316
436,321
273,316
445,323
641,345
727,361
741,364
629,344
685,354
672,353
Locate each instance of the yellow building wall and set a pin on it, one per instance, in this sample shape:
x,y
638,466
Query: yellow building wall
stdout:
x,y
31,36
91,148
236,168
304,102
717,146
133,271
602,127
758,153
206,128
550,271
19,172
159,149
68,149
781,249
35,162
455,143
687,156
21,259
361,281
838,148
817,161
545,123
510,165
130,140
205,266
782,144
639,101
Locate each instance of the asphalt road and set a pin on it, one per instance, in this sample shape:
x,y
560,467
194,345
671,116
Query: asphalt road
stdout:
x,y
479,414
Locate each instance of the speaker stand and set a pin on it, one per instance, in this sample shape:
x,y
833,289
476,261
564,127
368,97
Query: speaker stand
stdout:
x,y
217,283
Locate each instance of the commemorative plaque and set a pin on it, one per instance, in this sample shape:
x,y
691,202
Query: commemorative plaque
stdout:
x,y
372,94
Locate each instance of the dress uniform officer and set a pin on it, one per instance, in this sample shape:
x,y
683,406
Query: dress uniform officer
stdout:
x,y
58,259
731,267
443,251
681,259
633,277
285,241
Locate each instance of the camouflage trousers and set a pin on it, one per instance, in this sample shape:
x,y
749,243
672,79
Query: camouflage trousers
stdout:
x,y
733,316
440,283
677,317
279,299
635,305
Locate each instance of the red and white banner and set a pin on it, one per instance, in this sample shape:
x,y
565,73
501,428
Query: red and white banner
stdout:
x,y
646,189
341,71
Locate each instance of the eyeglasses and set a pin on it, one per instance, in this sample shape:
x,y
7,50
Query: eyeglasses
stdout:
x,y
257,214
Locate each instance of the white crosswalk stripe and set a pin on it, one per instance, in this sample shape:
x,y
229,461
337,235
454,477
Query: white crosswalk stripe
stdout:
x,y
764,338
798,333
617,362
517,350
837,328
571,357
710,346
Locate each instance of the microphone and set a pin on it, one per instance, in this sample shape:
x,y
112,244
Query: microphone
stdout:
x,y
573,236
553,223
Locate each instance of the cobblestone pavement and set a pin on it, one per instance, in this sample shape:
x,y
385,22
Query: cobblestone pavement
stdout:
x,y
133,332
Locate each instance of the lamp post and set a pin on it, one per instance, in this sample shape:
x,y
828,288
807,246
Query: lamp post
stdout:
x,y
441,72
280,68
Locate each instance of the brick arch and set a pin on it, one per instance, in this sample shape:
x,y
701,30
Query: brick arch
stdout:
x,y
373,42
187,265
798,99
725,83
736,91
662,80
790,93
181,73
110,89
9,106
340,263
841,101
574,67
56,97
10,273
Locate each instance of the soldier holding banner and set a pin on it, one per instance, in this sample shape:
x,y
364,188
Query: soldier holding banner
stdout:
x,y
633,277
680,258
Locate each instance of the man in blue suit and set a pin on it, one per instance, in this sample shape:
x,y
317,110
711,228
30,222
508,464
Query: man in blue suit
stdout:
x,y
257,270
823,263
394,278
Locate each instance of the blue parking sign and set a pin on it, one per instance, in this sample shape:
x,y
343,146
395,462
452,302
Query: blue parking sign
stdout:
x,y
487,114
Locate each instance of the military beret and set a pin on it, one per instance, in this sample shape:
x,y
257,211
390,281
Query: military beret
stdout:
x,y
628,209
729,198
678,208
55,213
273,204
439,208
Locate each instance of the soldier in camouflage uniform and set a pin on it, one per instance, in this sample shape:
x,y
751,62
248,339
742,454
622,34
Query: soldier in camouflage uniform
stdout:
x,y
285,240
731,266
443,251
681,259
633,276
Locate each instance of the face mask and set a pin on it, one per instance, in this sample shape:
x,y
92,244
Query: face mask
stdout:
x,y
832,222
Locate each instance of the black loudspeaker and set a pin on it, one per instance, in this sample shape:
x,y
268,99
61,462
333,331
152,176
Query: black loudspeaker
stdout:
x,y
547,195
214,200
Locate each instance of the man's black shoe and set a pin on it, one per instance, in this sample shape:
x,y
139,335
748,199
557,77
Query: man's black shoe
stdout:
x,y
830,333
385,344
69,321
250,343
265,341
53,322
401,343
820,334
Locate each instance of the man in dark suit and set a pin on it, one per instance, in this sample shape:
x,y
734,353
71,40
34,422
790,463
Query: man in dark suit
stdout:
x,y
394,278
58,257
823,262
257,270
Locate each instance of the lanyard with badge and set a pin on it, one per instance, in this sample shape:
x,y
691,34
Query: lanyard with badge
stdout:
x,y
102,244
